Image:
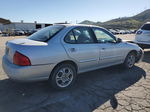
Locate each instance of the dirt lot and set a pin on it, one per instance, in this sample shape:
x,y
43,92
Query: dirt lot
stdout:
x,y
112,89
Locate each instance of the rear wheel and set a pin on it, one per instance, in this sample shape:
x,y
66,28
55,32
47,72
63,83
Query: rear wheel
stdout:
x,y
63,76
130,60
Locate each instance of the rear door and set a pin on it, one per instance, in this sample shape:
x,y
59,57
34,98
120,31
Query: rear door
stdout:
x,y
80,46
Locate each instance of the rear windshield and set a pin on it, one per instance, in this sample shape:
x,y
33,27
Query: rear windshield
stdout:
x,y
146,27
45,34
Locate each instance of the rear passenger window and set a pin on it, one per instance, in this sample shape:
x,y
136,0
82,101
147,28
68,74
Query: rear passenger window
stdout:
x,y
70,38
81,35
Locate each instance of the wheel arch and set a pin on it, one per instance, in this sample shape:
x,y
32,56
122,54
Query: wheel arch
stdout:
x,y
66,62
133,51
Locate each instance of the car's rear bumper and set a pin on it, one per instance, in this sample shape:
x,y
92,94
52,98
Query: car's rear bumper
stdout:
x,y
26,73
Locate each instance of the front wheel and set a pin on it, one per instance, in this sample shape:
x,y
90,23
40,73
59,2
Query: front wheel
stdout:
x,y
63,76
130,60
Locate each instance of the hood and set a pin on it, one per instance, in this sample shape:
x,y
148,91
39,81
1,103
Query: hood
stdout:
x,y
133,45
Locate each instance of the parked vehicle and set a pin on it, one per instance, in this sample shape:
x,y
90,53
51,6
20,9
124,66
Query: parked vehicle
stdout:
x,y
59,52
20,32
122,32
142,37
117,31
30,32
127,32
133,31
25,32
16,32
113,31
4,34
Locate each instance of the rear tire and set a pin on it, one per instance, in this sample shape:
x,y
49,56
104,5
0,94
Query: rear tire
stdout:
x,y
63,76
130,60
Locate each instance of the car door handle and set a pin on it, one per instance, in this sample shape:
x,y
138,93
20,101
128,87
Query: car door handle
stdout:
x,y
72,49
103,48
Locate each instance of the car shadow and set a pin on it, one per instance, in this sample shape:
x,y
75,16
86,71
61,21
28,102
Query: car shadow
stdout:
x,y
92,89
146,56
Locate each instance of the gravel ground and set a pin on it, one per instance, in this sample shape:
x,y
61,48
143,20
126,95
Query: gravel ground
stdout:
x,y
112,89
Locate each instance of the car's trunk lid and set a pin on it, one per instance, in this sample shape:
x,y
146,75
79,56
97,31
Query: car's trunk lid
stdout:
x,y
18,45
27,42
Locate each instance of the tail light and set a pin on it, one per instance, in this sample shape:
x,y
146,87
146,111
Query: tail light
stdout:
x,y
20,59
139,32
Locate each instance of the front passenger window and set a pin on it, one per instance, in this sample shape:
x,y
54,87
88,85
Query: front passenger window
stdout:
x,y
103,37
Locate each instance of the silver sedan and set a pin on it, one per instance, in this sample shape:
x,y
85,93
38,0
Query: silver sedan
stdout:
x,y
59,52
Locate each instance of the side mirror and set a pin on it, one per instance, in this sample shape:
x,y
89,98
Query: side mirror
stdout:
x,y
119,40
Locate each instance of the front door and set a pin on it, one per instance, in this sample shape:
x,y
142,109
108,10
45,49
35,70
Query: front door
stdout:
x,y
110,51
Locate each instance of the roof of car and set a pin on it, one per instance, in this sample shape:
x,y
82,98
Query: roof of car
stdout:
x,y
70,25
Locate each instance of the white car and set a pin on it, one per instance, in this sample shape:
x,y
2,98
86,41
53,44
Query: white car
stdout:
x,y
142,37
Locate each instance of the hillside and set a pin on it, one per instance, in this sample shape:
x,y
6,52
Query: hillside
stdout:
x,y
4,21
144,16
133,22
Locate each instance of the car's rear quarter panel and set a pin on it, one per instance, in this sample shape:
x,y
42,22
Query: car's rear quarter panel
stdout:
x,y
43,59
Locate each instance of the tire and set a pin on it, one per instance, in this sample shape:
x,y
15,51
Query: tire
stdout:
x,y
63,76
130,60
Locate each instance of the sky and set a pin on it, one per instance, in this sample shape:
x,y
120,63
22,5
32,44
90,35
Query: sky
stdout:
x,y
54,11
